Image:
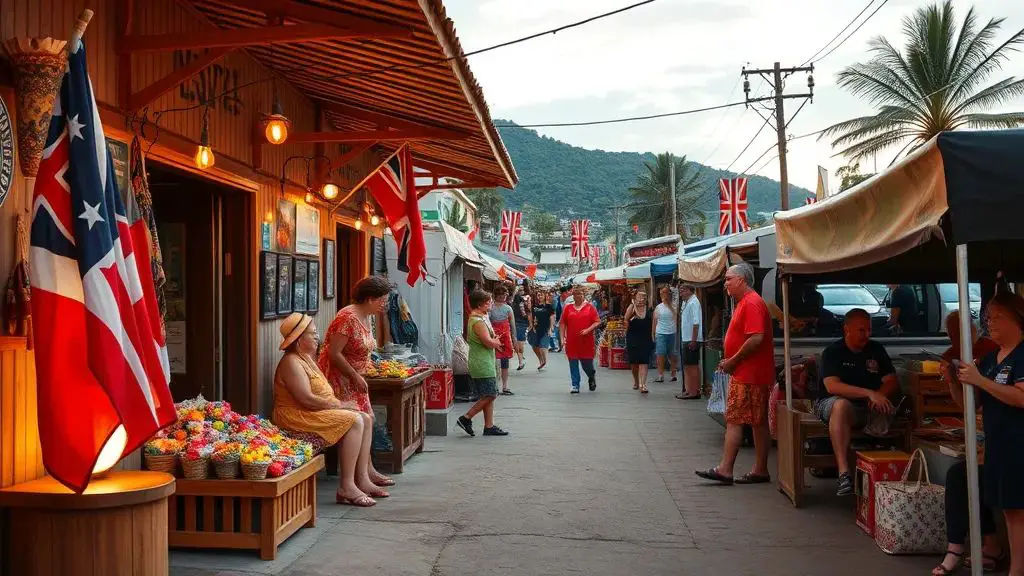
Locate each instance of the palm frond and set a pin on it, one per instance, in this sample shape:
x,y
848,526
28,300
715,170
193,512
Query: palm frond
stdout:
x,y
875,144
1004,120
989,64
999,93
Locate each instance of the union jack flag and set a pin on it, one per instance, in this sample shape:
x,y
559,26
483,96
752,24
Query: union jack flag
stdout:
x,y
612,254
810,200
732,206
511,229
101,360
393,186
595,257
580,234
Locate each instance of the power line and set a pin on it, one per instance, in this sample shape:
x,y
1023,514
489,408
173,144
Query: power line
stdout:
x,y
619,120
859,26
840,33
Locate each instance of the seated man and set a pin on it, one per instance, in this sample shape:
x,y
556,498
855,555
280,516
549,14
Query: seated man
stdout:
x,y
858,377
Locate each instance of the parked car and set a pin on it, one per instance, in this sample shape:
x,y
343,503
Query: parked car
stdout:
x,y
841,298
951,300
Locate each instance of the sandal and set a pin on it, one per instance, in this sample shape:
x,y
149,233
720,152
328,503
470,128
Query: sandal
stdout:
x,y
749,478
507,392
988,563
636,386
363,501
687,397
713,475
377,494
382,481
644,390
941,569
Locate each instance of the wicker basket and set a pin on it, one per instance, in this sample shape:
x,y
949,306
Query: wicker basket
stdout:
x,y
198,469
162,463
226,469
255,471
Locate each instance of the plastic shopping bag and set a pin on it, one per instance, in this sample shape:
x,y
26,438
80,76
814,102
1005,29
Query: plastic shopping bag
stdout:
x,y
719,387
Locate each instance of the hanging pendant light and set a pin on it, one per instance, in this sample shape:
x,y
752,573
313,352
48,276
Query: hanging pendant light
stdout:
x,y
330,190
359,225
204,158
374,220
276,124
309,197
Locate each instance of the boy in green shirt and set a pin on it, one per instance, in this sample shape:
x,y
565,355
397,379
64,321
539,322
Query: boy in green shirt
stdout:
x,y
482,344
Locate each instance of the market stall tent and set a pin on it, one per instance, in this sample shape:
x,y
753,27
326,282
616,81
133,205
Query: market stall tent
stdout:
x,y
959,189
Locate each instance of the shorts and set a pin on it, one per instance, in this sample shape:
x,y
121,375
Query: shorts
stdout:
x,y
486,386
823,410
746,403
520,332
538,341
503,363
664,345
691,357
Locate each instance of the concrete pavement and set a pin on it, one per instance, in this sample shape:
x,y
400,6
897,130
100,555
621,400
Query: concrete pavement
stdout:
x,y
596,483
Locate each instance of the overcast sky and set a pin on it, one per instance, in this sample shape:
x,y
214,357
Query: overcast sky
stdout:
x,y
676,55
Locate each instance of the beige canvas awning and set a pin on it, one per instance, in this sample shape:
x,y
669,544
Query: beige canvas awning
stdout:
x,y
882,217
705,269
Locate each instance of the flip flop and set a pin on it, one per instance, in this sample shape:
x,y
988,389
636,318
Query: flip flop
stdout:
x,y
749,478
687,397
713,475
363,501
507,392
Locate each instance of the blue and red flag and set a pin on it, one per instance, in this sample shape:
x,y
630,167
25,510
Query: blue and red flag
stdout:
x,y
393,185
101,361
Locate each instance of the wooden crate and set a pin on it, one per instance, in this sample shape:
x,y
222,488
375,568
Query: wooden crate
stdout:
x,y
406,406
243,514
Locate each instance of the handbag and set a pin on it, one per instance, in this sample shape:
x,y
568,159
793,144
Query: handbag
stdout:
x,y
719,388
910,516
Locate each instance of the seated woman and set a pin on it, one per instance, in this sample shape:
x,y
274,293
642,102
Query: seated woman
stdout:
x,y
957,512
999,383
304,404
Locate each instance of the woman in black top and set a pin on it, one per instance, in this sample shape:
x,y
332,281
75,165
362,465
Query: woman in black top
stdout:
x,y
540,326
638,339
999,382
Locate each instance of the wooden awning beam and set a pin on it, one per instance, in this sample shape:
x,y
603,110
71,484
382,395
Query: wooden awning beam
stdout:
x,y
380,118
307,13
401,135
354,152
262,35
459,186
157,89
440,170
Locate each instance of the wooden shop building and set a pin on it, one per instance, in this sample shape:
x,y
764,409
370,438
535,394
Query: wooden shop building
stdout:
x,y
356,80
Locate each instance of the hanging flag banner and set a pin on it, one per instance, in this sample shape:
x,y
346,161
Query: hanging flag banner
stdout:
x,y
102,369
511,230
732,206
595,257
393,186
613,256
580,236
822,191
811,200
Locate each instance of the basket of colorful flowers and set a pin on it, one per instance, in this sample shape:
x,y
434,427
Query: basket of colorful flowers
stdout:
x,y
161,455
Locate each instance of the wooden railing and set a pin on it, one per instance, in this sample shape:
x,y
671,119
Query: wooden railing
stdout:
x,y
21,458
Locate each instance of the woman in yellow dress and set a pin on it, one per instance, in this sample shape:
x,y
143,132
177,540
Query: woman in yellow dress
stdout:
x,y
304,403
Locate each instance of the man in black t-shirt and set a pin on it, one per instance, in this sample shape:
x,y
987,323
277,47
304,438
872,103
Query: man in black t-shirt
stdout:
x,y
903,310
857,377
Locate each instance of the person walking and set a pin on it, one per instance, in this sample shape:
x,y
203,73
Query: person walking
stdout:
x,y
665,322
579,320
638,339
540,327
691,338
483,342
556,340
503,322
750,363
521,315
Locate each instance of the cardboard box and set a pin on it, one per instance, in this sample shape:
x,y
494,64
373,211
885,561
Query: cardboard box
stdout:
x,y
439,389
873,467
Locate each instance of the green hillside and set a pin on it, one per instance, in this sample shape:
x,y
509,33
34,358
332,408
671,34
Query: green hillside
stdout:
x,y
558,177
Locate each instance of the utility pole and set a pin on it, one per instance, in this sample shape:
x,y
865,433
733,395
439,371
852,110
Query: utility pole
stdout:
x,y
672,191
778,74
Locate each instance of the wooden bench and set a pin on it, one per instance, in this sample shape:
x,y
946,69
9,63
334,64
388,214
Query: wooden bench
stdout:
x,y
243,514
795,428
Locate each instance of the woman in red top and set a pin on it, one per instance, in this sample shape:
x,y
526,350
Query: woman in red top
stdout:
x,y
579,320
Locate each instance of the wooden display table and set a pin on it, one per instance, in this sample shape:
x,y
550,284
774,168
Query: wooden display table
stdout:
x,y
117,527
244,514
406,405
930,396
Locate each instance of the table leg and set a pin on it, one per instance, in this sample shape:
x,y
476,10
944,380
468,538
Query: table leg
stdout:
x,y
397,438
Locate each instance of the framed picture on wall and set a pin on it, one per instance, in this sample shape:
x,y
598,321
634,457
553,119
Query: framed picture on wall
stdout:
x,y
300,274
329,269
268,285
284,284
313,287
285,234
307,230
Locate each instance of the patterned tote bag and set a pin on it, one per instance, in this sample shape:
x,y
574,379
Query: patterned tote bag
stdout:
x,y
909,515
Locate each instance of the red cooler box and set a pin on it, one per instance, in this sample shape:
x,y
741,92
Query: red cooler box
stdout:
x,y
619,360
440,389
603,356
872,467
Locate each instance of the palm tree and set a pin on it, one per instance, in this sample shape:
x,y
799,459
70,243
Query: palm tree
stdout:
x,y
931,86
456,218
652,204
489,203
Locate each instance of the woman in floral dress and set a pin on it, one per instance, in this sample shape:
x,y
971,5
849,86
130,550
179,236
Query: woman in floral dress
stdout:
x,y
349,343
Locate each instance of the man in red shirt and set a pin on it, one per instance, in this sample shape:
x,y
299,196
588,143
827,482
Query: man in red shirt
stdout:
x,y
750,363
576,327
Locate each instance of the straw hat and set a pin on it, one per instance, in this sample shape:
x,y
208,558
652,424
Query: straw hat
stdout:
x,y
293,327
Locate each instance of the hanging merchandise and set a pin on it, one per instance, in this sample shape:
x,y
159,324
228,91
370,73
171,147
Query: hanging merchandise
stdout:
x,y
403,327
139,206
18,301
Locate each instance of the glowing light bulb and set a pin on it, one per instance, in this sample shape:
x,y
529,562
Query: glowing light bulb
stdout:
x,y
111,452
204,157
359,224
330,191
374,220
277,130
269,216
309,197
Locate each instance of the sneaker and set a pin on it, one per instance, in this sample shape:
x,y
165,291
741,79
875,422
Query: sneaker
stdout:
x,y
574,391
845,485
592,381
467,425
494,431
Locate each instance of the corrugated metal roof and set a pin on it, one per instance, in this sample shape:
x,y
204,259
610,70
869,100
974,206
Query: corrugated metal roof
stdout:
x,y
401,78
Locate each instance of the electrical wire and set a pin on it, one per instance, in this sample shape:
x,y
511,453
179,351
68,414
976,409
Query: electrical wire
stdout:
x,y
619,120
859,26
392,68
840,33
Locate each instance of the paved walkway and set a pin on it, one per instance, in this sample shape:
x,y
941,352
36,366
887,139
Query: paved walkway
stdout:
x,y
597,484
